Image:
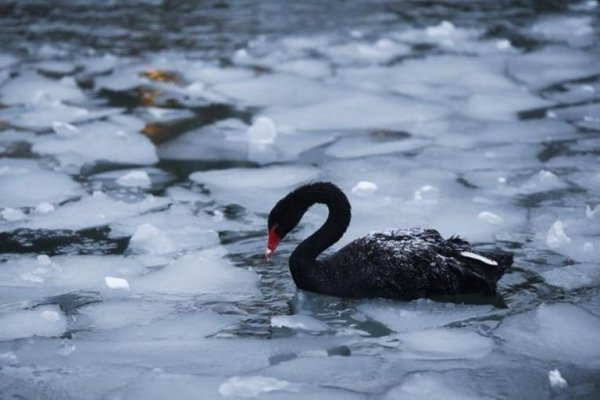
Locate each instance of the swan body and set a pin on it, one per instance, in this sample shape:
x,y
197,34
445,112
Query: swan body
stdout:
x,y
398,264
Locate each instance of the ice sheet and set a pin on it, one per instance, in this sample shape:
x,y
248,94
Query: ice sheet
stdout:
x,y
24,183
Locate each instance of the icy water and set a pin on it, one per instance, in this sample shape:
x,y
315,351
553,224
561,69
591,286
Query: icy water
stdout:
x,y
143,143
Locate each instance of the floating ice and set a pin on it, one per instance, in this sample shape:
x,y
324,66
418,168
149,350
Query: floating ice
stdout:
x,y
280,90
224,140
56,67
302,322
101,140
573,276
592,213
215,74
262,131
177,228
530,131
201,273
381,51
444,29
51,315
44,260
96,210
430,386
420,314
542,181
504,45
63,274
306,68
116,283
40,321
12,214
576,31
44,208
490,218
256,188
254,386
554,332
444,344
168,114
148,239
366,146
99,65
135,179
556,379
41,117
6,60
556,236
31,88
24,184
364,188
64,129
552,64
427,194
356,111
123,313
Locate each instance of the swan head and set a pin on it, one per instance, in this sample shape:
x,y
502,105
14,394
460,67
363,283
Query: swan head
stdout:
x,y
284,217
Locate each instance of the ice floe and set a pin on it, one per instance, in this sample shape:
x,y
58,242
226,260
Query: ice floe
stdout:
x,y
95,210
148,239
421,314
100,141
430,386
253,386
201,273
241,185
116,283
367,111
563,332
39,321
299,322
556,379
32,88
24,183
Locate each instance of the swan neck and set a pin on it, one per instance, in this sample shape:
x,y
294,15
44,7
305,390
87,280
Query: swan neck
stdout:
x,y
338,219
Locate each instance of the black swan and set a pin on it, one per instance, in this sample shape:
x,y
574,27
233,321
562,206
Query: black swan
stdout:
x,y
398,264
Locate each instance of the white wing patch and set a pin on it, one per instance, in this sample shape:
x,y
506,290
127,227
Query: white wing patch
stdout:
x,y
478,257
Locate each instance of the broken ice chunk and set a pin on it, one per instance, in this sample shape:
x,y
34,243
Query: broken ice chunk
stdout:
x,y
116,283
445,28
135,179
364,188
65,130
44,208
556,379
503,45
40,321
148,239
44,260
303,322
427,194
556,236
490,218
12,214
50,315
28,88
262,131
254,386
591,214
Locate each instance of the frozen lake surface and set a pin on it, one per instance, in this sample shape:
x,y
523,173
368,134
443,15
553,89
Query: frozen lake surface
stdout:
x,y
142,144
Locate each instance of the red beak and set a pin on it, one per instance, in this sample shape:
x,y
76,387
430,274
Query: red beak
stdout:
x,y
272,243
